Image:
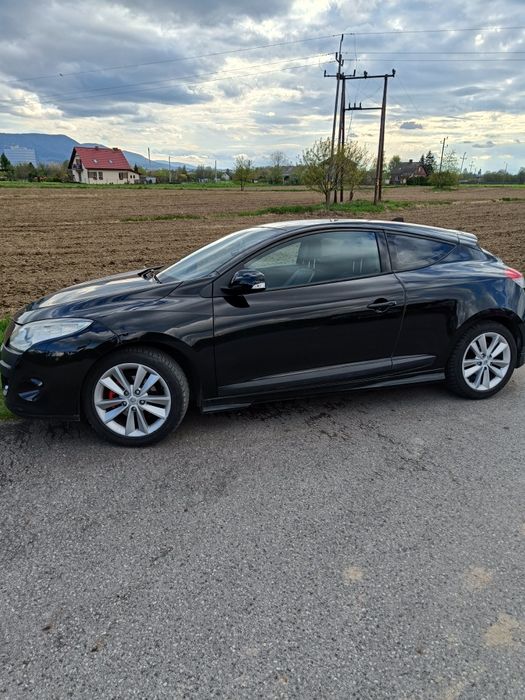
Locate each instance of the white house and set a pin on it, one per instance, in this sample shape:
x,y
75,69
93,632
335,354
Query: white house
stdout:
x,y
98,165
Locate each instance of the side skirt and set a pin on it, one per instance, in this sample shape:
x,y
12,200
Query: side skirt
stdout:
x,y
238,402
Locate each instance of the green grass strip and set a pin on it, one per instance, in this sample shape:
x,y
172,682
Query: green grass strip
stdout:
x,y
356,207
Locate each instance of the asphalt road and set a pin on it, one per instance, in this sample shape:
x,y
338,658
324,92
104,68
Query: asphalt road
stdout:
x,y
369,545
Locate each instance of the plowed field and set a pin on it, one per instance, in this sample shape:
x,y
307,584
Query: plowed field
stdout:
x,y
50,238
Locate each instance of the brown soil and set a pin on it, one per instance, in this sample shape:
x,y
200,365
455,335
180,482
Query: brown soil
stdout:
x,y
51,238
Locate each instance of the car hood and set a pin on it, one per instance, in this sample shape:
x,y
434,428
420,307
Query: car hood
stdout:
x,y
81,299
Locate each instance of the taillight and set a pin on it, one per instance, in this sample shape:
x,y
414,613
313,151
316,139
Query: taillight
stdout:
x,y
515,275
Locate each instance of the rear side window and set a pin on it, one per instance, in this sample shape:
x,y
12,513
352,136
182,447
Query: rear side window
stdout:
x,y
411,252
463,252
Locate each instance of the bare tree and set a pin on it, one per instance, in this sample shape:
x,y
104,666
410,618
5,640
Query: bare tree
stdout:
x,y
243,170
277,163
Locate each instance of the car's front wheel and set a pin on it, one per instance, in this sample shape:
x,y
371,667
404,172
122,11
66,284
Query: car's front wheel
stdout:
x,y
135,396
482,361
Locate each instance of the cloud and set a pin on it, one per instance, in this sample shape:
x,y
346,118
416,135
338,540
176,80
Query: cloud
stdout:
x,y
188,76
487,144
208,12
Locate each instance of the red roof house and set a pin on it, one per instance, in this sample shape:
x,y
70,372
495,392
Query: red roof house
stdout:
x,y
99,165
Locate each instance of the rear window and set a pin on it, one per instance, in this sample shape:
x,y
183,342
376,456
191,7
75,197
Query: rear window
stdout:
x,y
411,252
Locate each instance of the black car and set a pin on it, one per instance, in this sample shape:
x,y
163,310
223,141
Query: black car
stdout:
x,y
272,312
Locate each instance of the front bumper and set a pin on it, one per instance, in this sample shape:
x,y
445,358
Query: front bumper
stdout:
x,y
46,380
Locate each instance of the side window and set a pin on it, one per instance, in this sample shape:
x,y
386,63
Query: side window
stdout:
x,y
319,257
411,252
281,255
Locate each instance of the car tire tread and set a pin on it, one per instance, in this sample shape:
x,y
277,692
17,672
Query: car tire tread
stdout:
x,y
453,371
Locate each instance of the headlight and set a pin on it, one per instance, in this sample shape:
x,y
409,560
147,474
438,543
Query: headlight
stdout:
x,y
24,337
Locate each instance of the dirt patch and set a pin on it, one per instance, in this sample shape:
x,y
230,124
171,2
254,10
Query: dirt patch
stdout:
x,y
53,238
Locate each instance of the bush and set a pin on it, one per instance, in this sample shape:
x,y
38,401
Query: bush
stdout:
x,y
446,178
418,181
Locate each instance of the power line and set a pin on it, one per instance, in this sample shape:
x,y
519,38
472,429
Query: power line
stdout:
x,y
420,53
172,60
454,60
255,48
197,79
155,83
436,31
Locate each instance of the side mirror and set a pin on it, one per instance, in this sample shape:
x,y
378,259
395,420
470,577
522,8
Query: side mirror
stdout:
x,y
246,282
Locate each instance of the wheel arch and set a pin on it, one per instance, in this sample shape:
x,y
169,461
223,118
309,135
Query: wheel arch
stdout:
x,y
507,318
175,350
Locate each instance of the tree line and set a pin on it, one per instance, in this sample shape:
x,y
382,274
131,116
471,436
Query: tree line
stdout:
x,y
318,168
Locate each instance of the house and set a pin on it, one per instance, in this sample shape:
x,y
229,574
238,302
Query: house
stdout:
x,y
406,171
98,165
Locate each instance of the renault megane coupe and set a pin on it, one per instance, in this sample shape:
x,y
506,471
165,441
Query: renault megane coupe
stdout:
x,y
273,312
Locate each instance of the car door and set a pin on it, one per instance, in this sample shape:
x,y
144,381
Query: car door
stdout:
x,y
432,293
331,313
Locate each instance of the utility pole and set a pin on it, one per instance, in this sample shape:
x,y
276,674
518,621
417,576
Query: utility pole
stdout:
x,y
378,186
340,62
169,168
215,170
442,152
462,161
341,143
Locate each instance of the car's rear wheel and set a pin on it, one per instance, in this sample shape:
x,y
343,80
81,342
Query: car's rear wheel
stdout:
x,y
135,396
482,361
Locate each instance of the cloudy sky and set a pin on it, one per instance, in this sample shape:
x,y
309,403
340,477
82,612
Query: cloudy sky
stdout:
x,y
202,80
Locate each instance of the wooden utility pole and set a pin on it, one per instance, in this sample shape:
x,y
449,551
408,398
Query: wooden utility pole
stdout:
x,y
337,109
341,143
442,152
338,75
378,186
462,161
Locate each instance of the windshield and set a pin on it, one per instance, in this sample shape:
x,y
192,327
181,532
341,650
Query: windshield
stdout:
x,y
207,260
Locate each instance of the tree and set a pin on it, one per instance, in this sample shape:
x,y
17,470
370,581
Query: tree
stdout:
x,y
243,170
393,163
430,163
6,166
277,163
353,160
449,174
318,168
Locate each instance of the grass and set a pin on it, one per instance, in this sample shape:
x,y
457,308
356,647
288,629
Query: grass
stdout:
x,y
4,413
358,206
162,217
230,185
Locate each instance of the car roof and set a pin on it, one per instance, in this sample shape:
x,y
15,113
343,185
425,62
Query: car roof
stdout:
x,y
399,226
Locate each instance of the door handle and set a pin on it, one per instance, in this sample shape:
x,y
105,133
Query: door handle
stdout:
x,y
381,305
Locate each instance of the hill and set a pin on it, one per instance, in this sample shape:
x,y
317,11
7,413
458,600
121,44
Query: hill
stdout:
x,y
56,148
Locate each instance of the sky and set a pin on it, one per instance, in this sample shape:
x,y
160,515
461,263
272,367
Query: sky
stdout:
x,y
204,80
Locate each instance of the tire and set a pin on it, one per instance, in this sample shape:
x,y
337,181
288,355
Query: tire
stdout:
x,y
482,361
155,403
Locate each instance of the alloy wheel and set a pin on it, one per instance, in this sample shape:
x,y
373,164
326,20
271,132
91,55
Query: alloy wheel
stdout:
x,y
486,361
131,399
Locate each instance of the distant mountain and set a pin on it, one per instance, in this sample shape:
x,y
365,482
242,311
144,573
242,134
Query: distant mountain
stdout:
x,y
55,148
